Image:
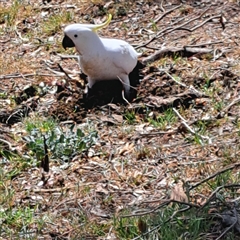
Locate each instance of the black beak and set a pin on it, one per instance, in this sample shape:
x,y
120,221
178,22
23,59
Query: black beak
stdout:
x,y
67,42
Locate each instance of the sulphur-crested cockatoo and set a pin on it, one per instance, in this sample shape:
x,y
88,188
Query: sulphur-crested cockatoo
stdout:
x,y
101,58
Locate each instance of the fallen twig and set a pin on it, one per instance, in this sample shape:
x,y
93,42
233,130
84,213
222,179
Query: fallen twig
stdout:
x,y
164,14
20,75
204,22
166,202
184,51
8,143
180,27
184,122
180,83
217,190
226,109
169,219
203,44
213,175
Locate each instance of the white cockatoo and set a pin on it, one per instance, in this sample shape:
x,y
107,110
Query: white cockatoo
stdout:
x,y
101,58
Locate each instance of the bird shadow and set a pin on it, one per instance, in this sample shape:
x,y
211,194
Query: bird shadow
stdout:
x,y
104,92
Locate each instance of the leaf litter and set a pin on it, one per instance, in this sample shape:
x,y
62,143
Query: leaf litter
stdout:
x,y
141,160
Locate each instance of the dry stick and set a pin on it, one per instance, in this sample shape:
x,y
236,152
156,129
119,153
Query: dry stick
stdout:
x,y
26,75
158,207
180,27
181,84
62,70
217,56
14,113
184,122
204,22
172,201
146,233
125,99
152,134
64,202
164,30
166,50
158,54
66,74
168,220
223,112
147,212
5,41
20,36
213,175
197,50
215,191
165,13
51,190
203,44
8,143
235,200
161,6
170,30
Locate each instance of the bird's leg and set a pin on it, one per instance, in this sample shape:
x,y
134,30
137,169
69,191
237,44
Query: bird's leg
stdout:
x,y
88,87
91,82
126,84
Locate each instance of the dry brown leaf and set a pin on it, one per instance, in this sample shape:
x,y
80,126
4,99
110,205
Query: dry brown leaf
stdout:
x,y
178,193
128,148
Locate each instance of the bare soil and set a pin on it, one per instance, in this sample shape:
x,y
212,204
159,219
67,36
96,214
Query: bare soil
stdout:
x,y
134,163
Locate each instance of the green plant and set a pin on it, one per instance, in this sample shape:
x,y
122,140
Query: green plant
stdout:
x,y
3,95
126,228
53,23
207,82
18,219
163,120
170,222
154,26
62,143
130,116
218,106
10,14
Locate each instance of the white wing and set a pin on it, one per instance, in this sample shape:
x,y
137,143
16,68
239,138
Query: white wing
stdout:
x,y
121,53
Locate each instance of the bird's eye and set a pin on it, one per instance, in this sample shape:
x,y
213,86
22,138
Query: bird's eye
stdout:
x,y
75,35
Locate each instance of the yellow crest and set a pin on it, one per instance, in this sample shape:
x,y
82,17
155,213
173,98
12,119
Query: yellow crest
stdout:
x,y
102,25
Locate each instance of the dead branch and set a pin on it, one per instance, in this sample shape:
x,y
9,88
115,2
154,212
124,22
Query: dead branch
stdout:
x,y
148,232
5,41
166,202
164,14
226,109
184,122
181,84
152,134
203,44
214,175
180,27
8,143
185,51
169,219
66,74
161,6
207,20
217,190
160,54
20,75
195,50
